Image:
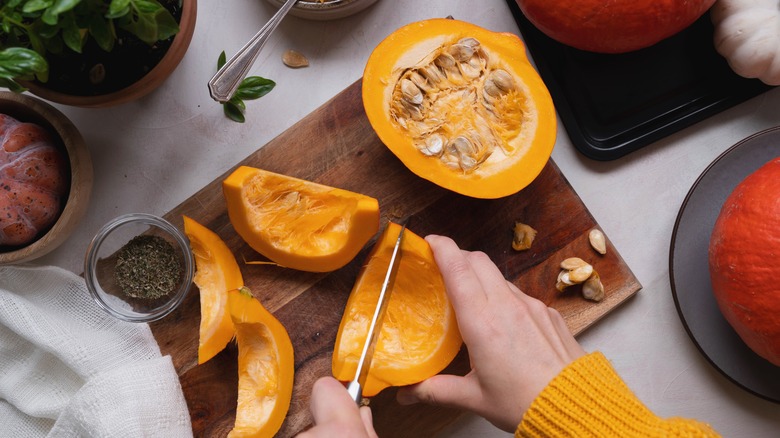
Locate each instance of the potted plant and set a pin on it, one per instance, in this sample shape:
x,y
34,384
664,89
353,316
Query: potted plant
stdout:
x,y
92,53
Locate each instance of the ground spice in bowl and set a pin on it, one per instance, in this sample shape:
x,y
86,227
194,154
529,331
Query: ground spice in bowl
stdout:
x,y
147,267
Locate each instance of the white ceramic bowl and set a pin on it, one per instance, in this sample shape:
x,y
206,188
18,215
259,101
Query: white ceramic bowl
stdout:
x,y
327,9
100,265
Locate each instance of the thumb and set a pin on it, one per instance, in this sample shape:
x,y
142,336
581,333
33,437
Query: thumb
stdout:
x,y
441,390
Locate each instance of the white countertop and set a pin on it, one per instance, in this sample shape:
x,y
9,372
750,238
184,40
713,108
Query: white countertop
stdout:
x,y
152,154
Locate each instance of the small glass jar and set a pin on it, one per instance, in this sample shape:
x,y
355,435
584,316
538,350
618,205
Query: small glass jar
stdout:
x,y
326,9
100,268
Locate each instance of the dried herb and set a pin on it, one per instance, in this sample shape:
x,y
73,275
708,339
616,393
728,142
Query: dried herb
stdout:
x,y
147,267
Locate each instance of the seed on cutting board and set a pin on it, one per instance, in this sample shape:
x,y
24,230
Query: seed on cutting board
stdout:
x,y
524,236
598,241
593,289
294,59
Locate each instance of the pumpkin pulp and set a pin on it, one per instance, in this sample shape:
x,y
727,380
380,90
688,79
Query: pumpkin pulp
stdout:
x,y
216,273
419,335
296,223
460,106
265,367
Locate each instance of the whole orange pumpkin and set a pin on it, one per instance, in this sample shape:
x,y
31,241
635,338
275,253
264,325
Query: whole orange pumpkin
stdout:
x,y
743,258
33,181
612,26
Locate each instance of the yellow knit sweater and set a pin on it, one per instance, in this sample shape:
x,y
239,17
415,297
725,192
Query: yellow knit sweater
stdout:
x,y
589,399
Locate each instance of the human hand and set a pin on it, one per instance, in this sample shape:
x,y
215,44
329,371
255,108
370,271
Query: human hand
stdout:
x,y
336,414
516,344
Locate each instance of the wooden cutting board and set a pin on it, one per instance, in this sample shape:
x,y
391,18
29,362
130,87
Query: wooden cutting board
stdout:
x,y
336,146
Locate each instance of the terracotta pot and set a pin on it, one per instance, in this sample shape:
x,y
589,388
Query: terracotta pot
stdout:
x,y
146,84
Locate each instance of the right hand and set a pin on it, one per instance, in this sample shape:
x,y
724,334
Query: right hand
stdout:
x,y
516,344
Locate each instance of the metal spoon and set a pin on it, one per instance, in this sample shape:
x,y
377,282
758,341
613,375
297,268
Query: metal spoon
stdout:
x,y
225,83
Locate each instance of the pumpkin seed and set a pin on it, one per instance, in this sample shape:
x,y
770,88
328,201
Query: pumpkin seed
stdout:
x,y
598,241
294,59
465,100
593,289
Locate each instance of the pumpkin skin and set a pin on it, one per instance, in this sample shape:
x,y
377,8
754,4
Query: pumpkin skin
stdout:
x,y
33,181
743,254
523,120
617,26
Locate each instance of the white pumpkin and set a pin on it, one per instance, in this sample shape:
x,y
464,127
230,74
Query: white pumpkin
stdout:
x,y
747,34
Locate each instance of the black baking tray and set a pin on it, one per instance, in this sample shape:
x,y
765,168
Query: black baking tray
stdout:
x,y
611,105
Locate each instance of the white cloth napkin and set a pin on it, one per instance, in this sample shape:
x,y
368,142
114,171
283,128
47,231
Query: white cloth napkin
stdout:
x,y
68,369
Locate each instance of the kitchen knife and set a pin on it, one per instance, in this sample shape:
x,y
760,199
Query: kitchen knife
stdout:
x,y
355,387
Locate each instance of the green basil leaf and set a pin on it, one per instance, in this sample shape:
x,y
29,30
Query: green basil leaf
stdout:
x,y
14,3
18,62
166,25
36,5
233,112
50,17
118,8
61,6
254,87
12,85
221,60
119,14
71,34
44,30
100,29
147,6
145,29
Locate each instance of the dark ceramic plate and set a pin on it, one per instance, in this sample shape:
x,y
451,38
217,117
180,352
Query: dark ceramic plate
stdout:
x,y
689,271
611,105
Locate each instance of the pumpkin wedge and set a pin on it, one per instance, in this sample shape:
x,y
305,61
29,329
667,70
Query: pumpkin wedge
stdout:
x,y
265,367
419,335
296,223
460,106
216,272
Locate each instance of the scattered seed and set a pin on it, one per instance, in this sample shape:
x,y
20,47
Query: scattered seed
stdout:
x,y
524,237
294,59
598,241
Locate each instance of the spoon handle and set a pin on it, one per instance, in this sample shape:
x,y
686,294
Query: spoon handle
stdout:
x,y
225,82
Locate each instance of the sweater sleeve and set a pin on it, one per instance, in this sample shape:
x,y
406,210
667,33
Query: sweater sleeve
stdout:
x,y
589,399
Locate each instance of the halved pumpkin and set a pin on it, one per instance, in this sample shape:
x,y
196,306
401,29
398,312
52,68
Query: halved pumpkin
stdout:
x,y
296,223
419,335
265,367
216,272
460,106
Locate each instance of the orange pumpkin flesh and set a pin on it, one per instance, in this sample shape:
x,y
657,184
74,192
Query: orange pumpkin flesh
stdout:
x,y
296,223
743,260
460,106
216,273
265,367
419,336
612,26
33,181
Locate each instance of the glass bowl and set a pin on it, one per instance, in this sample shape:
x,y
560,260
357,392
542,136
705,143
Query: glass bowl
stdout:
x,y
326,9
139,281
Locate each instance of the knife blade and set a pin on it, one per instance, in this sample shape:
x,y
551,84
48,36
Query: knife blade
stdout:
x,y
355,387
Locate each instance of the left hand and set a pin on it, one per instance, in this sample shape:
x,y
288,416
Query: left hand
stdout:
x,y
336,414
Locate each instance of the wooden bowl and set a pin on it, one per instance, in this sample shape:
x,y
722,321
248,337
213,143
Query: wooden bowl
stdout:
x,y
143,86
29,109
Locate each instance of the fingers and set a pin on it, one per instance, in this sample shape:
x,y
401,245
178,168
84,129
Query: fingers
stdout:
x,y
368,421
463,287
442,390
330,403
